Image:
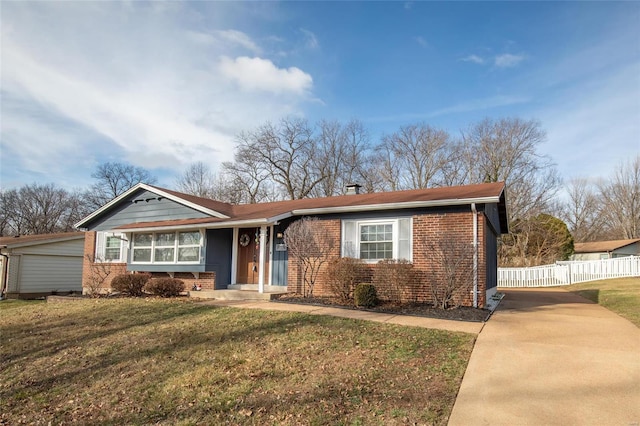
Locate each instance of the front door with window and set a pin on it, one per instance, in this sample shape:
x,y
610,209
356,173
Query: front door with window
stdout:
x,y
249,256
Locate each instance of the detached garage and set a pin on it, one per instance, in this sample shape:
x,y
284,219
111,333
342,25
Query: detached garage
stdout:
x,y
39,265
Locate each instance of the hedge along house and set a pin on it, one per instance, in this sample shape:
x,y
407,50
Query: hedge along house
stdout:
x,y
222,246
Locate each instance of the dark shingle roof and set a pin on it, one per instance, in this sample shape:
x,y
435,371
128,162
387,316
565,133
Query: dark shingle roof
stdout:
x,y
372,201
603,246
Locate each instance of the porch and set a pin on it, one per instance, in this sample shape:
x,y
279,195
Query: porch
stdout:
x,y
241,292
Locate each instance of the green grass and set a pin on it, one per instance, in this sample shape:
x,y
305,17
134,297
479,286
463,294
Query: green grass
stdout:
x,y
620,295
153,361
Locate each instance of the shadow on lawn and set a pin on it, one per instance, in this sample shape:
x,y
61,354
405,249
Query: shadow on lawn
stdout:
x,y
101,324
591,294
172,341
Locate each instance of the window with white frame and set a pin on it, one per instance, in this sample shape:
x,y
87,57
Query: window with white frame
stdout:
x,y
110,247
167,247
374,240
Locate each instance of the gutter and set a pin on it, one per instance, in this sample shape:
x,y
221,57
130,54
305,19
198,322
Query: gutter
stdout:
x,y
475,254
213,225
5,273
394,206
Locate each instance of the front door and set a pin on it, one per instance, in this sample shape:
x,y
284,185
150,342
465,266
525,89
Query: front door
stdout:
x,y
249,256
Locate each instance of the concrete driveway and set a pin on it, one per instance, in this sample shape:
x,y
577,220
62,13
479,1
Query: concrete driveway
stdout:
x,y
549,357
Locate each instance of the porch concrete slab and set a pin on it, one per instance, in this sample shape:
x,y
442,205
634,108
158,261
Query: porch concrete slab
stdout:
x,y
412,321
550,357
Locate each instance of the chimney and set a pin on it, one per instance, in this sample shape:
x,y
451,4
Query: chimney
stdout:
x,y
353,189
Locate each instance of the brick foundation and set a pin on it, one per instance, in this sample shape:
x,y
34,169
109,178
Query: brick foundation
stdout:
x,y
206,280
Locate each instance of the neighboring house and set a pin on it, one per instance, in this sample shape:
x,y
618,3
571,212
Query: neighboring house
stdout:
x,y
218,245
606,249
39,265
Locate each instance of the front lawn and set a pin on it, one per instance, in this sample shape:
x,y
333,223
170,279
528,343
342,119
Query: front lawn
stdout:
x,y
153,361
7,304
620,295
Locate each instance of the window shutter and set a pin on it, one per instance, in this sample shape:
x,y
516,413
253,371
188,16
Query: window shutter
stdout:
x,y
404,238
99,255
349,239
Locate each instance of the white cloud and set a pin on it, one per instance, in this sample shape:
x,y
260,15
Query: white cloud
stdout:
x,y
239,38
311,41
200,37
262,74
130,82
508,60
473,58
421,41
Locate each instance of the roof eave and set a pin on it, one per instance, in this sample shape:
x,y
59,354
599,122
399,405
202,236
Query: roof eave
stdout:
x,y
319,211
396,206
211,225
42,241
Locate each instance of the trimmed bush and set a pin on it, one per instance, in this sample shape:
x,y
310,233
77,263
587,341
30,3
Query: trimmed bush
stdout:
x,y
131,284
365,295
393,278
343,275
165,287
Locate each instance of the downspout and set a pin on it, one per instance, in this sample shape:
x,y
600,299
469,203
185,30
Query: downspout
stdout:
x,y
263,258
475,254
5,270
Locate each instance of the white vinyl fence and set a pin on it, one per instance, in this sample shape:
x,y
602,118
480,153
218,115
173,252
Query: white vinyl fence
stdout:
x,y
570,272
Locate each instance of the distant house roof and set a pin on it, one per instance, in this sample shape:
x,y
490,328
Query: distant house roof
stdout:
x,y
223,214
603,246
28,240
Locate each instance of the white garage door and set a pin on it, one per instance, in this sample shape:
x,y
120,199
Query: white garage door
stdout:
x,y
50,273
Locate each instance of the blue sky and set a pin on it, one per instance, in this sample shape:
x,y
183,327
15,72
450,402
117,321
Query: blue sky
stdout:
x,y
161,85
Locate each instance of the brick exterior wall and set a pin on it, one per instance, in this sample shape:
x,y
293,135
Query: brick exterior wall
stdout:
x,y
428,229
294,272
90,269
206,280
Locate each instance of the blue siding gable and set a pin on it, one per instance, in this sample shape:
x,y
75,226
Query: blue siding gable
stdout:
x,y
143,206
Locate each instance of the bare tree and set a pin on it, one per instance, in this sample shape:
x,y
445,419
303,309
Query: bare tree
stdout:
x,y
357,161
197,180
288,151
341,153
41,209
112,179
507,150
620,200
414,157
5,219
311,247
581,210
99,272
248,177
452,277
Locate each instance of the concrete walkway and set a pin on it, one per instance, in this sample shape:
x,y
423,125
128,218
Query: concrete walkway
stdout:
x,y
549,357
463,326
